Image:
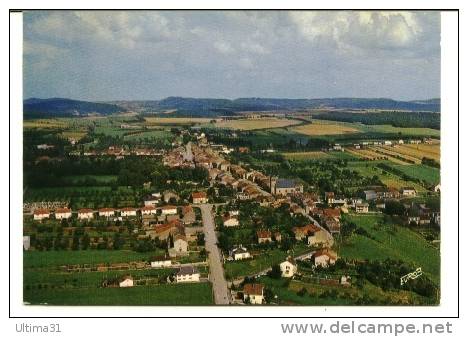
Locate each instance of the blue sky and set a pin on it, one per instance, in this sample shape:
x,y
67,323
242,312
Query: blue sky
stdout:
x,y
300,54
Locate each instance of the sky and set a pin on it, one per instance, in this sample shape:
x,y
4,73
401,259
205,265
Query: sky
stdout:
x,y
138,55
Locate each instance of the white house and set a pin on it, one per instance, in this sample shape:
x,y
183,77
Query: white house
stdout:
x,y
288,267
41,213
152,200
240,253
253,293
148,210
26,242
180,244
187,274
160,262
126,281
324,258
362,207
85,214
63,213
128,211
230,221
106,212
168,209
408,192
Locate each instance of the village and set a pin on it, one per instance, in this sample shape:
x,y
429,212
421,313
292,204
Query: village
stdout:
x,y
219,232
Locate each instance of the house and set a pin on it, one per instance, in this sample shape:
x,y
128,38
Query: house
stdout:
x,y
126,281
188,215
408,192
107,212
63,213
26,242
329,197
128,211
285,187
41,213
436,188
304,231
199,198
180,244
85,214
288,267
370,195
277,236
148,210
187,274
361,207
168,196
253,293
152,200
324,257
333,224
160,261
168,209
264,236
230,220
239,253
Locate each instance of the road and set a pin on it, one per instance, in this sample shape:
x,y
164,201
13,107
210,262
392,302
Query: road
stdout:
x,y
220,287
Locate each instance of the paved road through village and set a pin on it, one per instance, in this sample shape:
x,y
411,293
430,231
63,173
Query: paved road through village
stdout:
x,y
220,288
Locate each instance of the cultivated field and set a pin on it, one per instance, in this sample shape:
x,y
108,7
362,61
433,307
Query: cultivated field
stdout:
x,y
254,124
175,120
431,151
310,155
322,128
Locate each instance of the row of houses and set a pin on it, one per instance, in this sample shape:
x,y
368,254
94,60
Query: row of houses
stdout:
x,y
89,214
185,274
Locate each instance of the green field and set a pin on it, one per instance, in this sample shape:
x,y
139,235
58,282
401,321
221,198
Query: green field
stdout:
x,y
422,172
287,293
392,241
264,261
370,169
99,178
34,259
164,294
153,134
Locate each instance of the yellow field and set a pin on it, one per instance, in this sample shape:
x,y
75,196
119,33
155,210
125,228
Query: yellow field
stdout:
x,y
255,124
77,135
175,120
431,151
321,128
394,151
366,154
305,155
50,123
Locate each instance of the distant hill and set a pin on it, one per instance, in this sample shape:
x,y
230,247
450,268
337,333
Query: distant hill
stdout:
x,y
213,107
63,107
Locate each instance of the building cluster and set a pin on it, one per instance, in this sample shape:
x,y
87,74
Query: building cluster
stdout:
x,y
119,152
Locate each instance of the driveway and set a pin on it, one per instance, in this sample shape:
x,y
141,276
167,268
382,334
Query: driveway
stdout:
x,y
220,288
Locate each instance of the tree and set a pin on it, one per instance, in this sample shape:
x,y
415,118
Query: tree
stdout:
x,y
275,271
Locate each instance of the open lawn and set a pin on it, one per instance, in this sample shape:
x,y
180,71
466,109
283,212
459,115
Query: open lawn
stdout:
x,y
164,294
321,128
422,172
391,241
261,262
370,169
40,259
153,134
